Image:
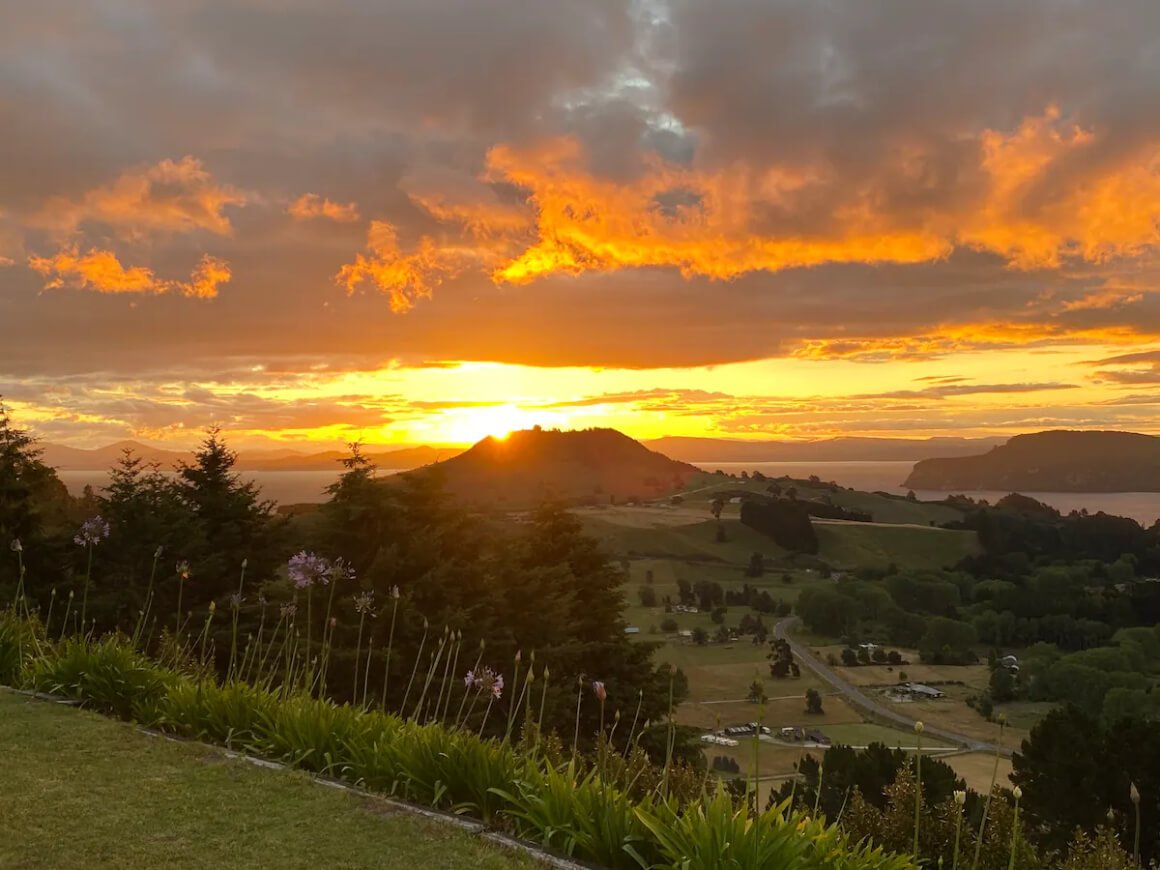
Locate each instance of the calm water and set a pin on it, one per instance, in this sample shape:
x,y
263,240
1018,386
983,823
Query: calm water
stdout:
x,y
290,487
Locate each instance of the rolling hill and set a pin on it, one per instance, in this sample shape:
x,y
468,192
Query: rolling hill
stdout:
x,y
1056,461
593,466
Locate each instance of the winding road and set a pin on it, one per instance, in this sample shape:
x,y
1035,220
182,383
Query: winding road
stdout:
x,y
876,709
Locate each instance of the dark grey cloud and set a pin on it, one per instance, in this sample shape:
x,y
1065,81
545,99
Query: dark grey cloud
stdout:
x,y
350,99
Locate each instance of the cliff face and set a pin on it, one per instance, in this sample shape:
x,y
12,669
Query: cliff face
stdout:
x,y
1060,461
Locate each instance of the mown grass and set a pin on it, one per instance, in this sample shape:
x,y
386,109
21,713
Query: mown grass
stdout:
x,y
84,791
857,545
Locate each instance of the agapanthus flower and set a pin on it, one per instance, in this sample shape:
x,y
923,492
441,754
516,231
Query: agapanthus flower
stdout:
x,y
364,602
306,569
486,680
157,553
338,570
16,546
92,532
395,592
599,691
287,611
183,570
262,602
236,600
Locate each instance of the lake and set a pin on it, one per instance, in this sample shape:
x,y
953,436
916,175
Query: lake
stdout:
x,y
296,487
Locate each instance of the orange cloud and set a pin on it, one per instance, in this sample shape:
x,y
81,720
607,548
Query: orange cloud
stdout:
x,y
962,337
168,197
587,223
103,272
1107,215
454,197
311,205
717,222
403,277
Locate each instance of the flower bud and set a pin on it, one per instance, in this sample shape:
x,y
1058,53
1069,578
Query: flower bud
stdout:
x,y
212,608
919,727
960,798
1017,792
1134,794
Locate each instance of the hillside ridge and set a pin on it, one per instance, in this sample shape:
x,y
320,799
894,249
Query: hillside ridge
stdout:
x,y
1059,460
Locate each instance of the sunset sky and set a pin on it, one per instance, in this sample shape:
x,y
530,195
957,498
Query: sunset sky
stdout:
x,y
426,221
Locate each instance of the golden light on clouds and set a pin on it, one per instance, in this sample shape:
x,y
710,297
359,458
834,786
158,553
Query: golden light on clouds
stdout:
x,y
172,196
103,272
311,205
737,218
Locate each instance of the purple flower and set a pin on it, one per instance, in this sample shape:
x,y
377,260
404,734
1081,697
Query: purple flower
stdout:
x,y
183,570
236,600
486,680
92,532
287,611
307,569
599,691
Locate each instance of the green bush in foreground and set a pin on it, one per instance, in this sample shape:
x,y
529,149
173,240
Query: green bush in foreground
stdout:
x,y
566,806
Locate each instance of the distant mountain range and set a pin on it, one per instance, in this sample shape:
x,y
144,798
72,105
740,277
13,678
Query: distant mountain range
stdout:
x,y
703,450
1058,461
103,458
710,450
527,467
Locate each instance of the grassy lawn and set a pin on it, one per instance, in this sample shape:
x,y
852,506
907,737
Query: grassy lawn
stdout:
x,y
84,791
865,733
853,545
976,768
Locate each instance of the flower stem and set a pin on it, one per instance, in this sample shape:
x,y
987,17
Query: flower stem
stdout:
x,y
414,669
88,577
990,793
390,645
362,618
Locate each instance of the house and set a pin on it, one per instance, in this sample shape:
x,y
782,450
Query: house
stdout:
x,y
631,629
920,692
685,632
869,647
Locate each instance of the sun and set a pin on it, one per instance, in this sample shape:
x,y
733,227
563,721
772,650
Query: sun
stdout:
x,y
469,425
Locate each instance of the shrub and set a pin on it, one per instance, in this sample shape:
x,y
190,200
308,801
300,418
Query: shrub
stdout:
x,y
108,675
615,811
